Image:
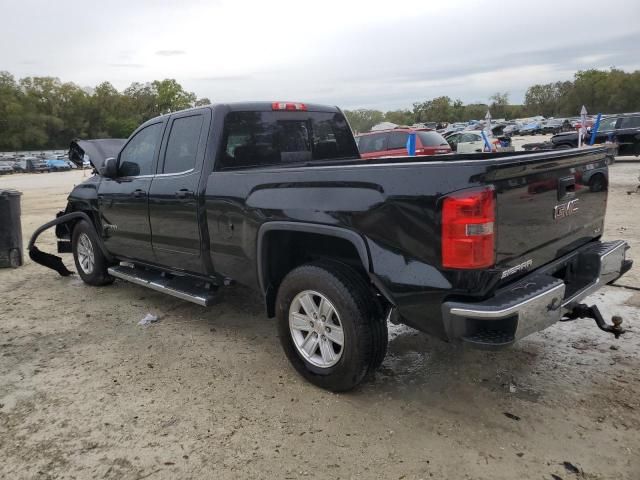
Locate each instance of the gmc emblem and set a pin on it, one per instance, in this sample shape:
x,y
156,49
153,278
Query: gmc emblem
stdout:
x,y
565,209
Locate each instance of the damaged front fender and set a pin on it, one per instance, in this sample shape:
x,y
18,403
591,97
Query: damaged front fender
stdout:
x,y
53,261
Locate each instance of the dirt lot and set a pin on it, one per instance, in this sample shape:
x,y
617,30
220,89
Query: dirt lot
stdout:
x,y
85,392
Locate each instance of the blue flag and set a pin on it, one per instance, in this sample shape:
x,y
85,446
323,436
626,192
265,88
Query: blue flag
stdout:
x,y
411,144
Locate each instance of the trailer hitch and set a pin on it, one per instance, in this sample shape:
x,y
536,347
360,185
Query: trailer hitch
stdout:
x,y
582,310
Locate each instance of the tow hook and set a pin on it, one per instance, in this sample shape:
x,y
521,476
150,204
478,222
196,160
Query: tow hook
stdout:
x,y
582,310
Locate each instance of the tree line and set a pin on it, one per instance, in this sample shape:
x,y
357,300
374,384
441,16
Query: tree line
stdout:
x,y
612,91
43,112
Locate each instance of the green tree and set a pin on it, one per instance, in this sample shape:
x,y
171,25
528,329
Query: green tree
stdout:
x,y
399,117
499,104
362,120
201,102
171,97
43,112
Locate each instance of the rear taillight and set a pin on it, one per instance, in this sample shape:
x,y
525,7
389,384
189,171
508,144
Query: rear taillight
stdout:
x,y
290,106
468,239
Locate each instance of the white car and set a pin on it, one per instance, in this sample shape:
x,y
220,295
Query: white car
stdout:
x,y
469,142
472,142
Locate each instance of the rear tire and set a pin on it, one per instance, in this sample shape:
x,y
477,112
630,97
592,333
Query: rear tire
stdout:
x,y
354,319
90,262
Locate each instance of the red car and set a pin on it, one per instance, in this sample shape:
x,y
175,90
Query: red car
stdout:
x,y
393,143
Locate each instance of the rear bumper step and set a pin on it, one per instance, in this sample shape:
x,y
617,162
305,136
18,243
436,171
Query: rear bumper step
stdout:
x,y
538,300
185,288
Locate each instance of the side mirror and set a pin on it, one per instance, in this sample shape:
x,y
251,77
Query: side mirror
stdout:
x,y
110,168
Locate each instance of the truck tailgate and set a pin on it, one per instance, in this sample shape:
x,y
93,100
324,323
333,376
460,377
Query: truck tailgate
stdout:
x,y
546,209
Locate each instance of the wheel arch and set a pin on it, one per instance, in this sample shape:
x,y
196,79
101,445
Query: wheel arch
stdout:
x,y
280,249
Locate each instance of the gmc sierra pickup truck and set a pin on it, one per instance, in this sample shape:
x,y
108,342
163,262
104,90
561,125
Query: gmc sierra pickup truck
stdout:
x,y
478,248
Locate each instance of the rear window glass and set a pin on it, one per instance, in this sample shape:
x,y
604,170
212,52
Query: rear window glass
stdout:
x,y
372,143
431,139
270,138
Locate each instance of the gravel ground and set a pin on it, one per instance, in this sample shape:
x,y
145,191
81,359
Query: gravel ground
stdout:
x,y
85,392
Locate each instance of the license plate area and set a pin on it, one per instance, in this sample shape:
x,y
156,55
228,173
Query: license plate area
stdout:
x,y
578,272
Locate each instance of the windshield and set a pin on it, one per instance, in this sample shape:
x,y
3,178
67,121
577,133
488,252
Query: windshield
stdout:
x,y
607,124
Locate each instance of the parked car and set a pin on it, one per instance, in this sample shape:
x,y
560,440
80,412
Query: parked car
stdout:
x,y
56,165
576,123
390,143
621,129
34,165
472,142
452,128
6,168
552,126
275,196
533,128
511,129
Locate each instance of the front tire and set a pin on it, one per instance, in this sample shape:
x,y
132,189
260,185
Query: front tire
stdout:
x,y
330,325
90,262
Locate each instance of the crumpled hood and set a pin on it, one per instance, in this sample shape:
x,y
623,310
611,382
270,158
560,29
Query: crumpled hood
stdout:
x,y
97,150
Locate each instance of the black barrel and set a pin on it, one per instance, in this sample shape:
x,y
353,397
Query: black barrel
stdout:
x,y
10,229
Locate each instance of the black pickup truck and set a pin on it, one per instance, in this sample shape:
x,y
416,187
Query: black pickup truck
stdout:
x,y
480,248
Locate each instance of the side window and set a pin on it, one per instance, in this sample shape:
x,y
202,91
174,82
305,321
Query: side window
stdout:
x,y
397,140
468,137
373,143
137,157
630,122
182,145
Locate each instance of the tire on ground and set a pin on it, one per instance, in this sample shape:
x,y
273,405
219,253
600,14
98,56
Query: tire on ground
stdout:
x,y
361,316
98,275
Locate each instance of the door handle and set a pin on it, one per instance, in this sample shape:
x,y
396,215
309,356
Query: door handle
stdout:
x,y
184,193
137,193
566,187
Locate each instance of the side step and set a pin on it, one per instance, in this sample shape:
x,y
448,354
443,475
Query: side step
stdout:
x,y
187,288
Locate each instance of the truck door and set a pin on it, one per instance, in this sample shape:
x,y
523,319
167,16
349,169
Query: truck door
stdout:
x,y
123,201
175,197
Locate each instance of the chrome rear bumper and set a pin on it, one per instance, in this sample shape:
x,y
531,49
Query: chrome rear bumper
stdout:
x,y
538,300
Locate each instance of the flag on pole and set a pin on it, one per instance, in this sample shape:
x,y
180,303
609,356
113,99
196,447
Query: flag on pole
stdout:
x,y
583,125
487,122
411,144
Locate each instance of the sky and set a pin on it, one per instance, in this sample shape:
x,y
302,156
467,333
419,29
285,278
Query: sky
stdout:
x,y
350,53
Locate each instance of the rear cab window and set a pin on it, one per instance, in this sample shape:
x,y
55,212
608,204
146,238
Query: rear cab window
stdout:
x,y
259,138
